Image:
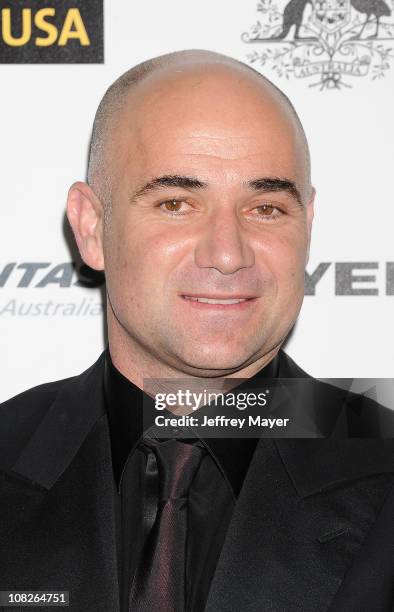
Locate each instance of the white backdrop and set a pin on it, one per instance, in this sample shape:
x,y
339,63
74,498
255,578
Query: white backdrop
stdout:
x,y
47,112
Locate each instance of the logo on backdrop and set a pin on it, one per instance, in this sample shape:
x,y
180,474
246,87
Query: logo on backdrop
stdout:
x,y
327,42
43,288
51,32
52,279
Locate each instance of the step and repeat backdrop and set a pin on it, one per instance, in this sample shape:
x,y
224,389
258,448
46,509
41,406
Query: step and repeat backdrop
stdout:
x,y
335,61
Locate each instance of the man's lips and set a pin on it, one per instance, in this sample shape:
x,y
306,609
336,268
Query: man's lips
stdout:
x,y
219,300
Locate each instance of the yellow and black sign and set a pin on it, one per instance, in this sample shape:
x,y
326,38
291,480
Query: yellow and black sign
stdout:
x,y
51,32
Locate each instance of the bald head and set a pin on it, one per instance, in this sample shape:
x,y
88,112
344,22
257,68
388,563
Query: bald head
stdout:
x,y
168,72
201,168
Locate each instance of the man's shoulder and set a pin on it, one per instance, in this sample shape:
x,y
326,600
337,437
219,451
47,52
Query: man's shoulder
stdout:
x,y
288,368
21,415
365,417
32,399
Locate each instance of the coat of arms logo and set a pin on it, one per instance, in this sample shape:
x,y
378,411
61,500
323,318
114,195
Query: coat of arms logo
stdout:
x,y
329,41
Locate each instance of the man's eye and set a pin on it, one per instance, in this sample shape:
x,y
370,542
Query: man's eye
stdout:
x,y
268,211
174,206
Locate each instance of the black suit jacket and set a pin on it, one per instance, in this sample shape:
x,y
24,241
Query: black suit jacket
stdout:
x,y
313,529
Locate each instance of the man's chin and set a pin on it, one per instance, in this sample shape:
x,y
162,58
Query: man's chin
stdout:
x,y
213,362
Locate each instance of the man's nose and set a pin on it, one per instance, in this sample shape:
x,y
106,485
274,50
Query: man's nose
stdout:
x,y
223,244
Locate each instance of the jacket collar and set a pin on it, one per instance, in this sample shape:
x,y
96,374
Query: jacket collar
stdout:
x,y
313,465
58,437
78,406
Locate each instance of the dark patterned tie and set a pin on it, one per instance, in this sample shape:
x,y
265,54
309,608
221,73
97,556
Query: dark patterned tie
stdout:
x,y
159,581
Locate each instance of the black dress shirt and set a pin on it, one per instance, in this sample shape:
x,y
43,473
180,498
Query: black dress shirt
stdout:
x,y
212,497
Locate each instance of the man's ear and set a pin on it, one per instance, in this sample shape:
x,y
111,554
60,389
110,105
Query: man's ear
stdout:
x,y
309,219
85,214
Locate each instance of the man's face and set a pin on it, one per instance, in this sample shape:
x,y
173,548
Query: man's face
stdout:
x,y
195,218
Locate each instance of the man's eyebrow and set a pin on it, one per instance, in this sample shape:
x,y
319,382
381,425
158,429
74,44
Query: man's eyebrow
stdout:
x,y
264,184
169,180
268,183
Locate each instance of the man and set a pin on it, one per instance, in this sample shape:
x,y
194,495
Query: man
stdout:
x,y
199,208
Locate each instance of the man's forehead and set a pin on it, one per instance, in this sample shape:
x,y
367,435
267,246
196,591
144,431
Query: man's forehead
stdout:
x,y
204,92
219,161
207,145
207,113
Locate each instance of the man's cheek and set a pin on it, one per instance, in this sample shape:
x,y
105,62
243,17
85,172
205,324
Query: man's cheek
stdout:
x,y
141,278
289,270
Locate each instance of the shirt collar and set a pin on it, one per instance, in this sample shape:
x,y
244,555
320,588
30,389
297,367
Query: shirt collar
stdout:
x,y
124,402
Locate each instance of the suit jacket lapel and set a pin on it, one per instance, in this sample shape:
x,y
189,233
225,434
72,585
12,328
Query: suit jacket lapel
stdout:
x,y
57,502
303,513
295,532
59,435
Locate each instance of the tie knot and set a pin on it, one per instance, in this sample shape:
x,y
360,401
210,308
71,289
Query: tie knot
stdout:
x,y
177,464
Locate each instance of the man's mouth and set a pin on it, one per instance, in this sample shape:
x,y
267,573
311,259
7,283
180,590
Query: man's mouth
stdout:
x,y
219,300
213,300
